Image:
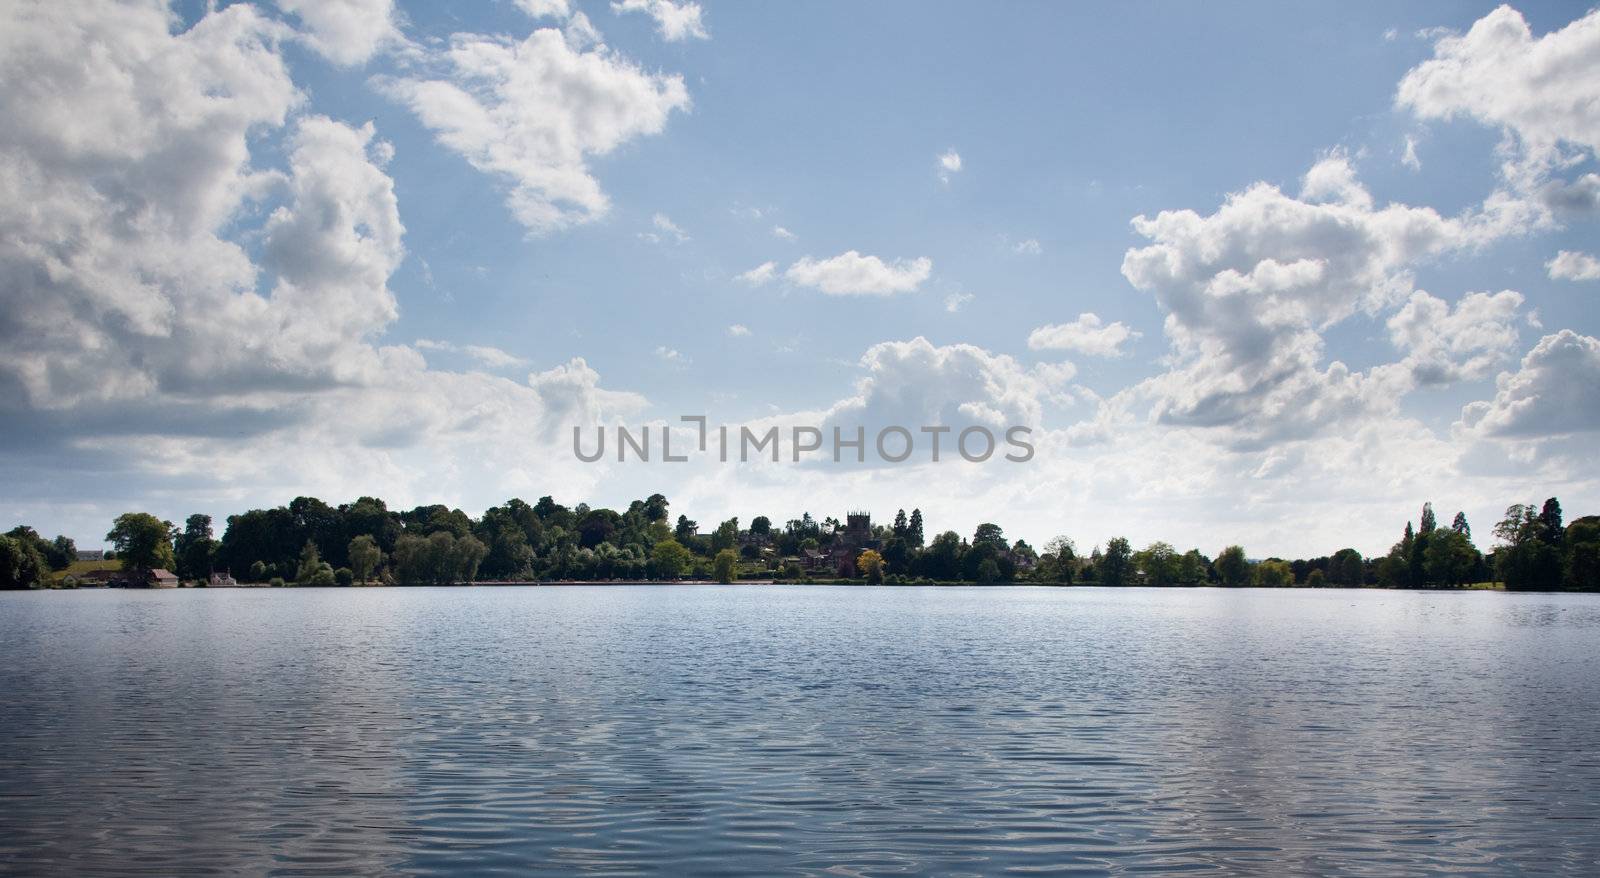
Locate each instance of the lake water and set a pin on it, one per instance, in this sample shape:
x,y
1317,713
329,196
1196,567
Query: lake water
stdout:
x,y
799,730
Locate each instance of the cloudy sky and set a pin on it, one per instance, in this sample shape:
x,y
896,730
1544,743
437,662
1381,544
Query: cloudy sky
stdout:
x,y
1253,273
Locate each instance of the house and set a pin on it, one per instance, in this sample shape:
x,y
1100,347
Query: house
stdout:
x,y
91,554
157,578
221,580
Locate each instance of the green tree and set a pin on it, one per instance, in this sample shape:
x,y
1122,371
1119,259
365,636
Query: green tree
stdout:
x,y
1192,568
1159,562
313,570
465,556
21,564
63,551
914,536
1345,568
364,557
724,565
1316,579
1450,558
142,541
942,560
1059,562
761,525
1116,563
988,572
1582,547
726,536
195,549
1232,567
670,558
1525,557
1274,573
989,534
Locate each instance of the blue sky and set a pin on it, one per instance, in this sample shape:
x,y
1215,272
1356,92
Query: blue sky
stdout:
x,y
828,122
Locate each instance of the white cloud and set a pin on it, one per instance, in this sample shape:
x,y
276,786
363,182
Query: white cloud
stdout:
x,y
671,356
956,301
1556,391
782,233
1540,91
1086,335
492,357
1573,265
851,274
675,21
346,32
1409,157
949,164
1248,290
738,330
1028,247
666,228
761,274
545,8
532,113
1467,342
158,348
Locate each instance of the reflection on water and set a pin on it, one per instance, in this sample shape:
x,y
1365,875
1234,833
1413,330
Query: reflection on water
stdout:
x,y
799,730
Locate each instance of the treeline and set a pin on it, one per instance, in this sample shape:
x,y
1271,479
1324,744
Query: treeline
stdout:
x,y
309,542
27,559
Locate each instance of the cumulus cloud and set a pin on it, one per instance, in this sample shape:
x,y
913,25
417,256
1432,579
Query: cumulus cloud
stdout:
x,y
738,330
1573,265
545,8
675,21
1248,289
759,275
954,302
1027,247
852,274
154,348
1555,391
782,233
1467,342
1086,335
1541,91
346,32
531,113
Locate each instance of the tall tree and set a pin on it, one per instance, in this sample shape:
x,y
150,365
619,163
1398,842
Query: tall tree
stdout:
x,y
21,565
1429,522
195,549
1460,526
914,536
1550,530
364,557
1232,567
1115,564
142,541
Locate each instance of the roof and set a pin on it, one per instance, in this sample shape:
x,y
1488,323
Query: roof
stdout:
x,y
162,573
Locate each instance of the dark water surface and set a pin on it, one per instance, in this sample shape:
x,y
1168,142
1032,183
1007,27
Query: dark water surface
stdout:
x,y
799,730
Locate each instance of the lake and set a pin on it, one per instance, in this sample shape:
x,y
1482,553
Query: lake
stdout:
x,y
799,730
